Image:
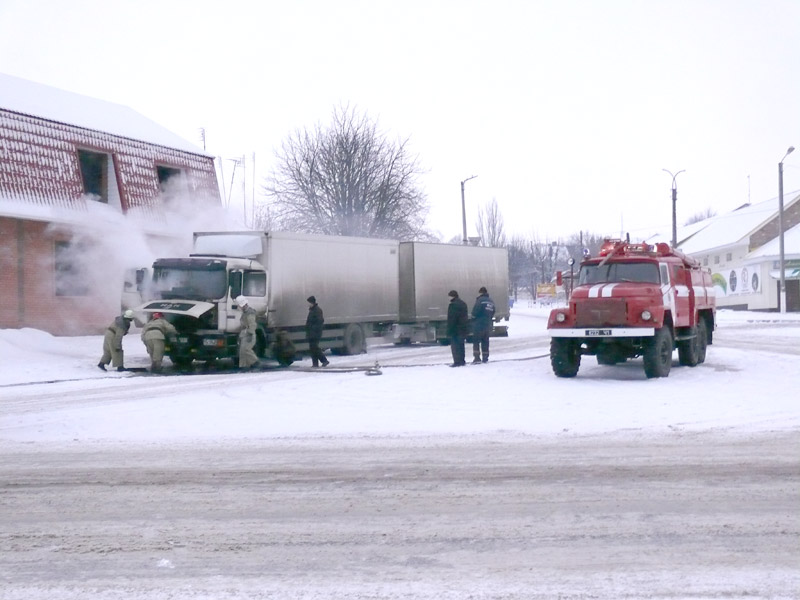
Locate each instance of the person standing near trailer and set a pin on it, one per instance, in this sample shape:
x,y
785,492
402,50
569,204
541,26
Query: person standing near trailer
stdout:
x,y
314,323
457,328
482,317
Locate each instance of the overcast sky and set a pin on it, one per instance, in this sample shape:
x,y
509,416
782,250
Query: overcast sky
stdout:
x,y
566,110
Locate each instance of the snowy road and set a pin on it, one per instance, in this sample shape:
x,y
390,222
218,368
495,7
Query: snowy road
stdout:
x,y
489,482
694,515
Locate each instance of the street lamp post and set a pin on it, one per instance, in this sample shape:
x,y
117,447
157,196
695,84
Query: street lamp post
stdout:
x,y
464,239
674,209
781,256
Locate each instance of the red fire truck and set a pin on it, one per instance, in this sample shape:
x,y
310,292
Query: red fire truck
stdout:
x,y
635,300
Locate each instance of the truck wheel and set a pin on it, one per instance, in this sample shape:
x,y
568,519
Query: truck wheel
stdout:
x,y
565,357
687,350
609,357
702,341
658,354
182,363
353,339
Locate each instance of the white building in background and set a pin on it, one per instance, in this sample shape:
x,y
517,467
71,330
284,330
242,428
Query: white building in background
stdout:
x,y
741,248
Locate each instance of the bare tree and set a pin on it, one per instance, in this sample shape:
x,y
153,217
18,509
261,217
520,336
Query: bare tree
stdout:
x,y
347,179
262,218
701,216
490,225
520,271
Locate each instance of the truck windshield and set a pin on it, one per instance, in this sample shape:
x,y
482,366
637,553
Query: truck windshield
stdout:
x,y
191,284
616,272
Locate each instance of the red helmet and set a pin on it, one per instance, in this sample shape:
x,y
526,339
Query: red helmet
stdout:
x,y
157,315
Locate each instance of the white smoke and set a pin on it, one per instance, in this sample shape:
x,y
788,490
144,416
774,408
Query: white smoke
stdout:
x,y
104,247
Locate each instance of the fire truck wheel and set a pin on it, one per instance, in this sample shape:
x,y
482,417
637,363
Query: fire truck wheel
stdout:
x,y
702,341
658,354
565,356
687,351
609,357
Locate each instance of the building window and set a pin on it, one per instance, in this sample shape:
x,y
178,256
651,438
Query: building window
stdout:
x,y
716,260
165,174
70,274
729,257
94,173
171,183
705,261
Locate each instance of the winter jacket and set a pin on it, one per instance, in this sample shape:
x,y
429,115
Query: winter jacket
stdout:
x,y
482,314
118,328
314,323
247,322
457,318
158,329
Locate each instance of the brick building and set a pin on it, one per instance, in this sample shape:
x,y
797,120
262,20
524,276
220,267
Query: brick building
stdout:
x,y
87,188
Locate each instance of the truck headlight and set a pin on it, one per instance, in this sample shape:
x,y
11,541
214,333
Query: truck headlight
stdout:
x,y
646,316
561,317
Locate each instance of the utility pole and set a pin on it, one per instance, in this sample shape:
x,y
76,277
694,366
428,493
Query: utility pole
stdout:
x,y
782,256
674,209
464,239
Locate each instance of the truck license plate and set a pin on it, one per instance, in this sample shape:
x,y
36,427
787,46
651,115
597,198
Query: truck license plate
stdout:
x,y
597,332
183,340
209,342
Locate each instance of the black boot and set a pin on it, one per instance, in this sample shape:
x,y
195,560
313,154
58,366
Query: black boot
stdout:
x,y
101,366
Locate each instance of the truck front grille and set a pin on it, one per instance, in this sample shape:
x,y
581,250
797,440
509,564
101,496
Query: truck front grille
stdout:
x,y
601,312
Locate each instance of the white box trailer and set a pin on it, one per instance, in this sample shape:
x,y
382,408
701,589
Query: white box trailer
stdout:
x,y
428,271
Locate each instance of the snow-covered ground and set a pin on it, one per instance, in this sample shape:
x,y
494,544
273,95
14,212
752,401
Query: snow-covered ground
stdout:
x,y
488,482
734,388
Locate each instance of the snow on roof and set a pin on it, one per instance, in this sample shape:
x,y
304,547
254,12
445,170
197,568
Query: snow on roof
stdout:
x,y
733,227
45,102
791,245
683,233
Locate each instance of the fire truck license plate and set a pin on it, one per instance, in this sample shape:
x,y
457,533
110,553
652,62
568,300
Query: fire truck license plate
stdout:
x,y
596,332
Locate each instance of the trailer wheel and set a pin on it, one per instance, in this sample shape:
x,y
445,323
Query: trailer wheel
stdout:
x,y
354,339
565,356
658,354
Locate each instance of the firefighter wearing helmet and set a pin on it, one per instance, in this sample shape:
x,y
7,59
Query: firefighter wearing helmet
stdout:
x,y
155,335
112,342
247,335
